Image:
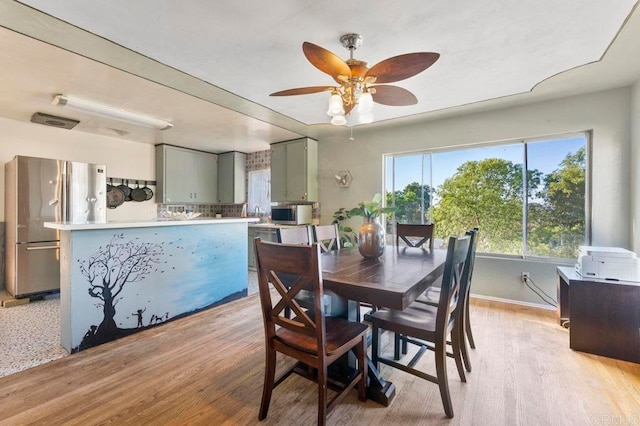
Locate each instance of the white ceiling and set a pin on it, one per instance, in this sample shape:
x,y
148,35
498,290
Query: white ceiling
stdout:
x,y
209,66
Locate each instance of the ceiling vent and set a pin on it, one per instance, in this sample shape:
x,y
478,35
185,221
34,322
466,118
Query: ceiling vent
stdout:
x,y
54,121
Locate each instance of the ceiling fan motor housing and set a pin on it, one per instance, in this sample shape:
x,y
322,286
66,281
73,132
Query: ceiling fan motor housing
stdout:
x,y
351,41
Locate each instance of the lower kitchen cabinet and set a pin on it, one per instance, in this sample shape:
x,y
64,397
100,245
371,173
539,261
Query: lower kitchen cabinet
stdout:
x,y
265,234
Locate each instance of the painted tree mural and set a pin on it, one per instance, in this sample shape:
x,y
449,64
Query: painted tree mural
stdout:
x,y
109,270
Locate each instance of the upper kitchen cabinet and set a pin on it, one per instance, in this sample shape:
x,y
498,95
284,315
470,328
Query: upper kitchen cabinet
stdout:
x,y
186,176
231,177
294,171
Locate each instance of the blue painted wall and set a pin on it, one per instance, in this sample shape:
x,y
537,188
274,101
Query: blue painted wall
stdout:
x,y
154,275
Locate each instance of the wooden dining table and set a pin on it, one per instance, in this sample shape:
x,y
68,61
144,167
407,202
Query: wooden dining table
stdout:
x,y
394,280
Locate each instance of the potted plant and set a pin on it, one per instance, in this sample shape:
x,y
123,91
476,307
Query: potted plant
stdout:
x,y
347,236
371,233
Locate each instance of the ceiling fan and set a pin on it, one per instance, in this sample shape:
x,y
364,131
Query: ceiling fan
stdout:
x,y
359,85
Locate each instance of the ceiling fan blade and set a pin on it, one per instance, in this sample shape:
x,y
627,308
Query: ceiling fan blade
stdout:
x,y
302,91
394,96
326,61
403,66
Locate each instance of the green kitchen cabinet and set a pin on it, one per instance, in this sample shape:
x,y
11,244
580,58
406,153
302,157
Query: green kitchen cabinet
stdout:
x,y
231,178
186,176
294,171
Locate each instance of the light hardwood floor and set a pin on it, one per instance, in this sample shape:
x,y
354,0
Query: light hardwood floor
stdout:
x,y
208,369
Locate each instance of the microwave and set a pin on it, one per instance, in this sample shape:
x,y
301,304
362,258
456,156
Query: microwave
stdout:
x,y
300,214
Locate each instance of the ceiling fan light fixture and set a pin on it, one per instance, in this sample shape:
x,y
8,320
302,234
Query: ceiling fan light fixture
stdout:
x,y
336,106
365,103
339,120
357,83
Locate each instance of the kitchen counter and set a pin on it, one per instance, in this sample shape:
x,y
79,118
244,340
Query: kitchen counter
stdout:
x,y
118,278
272,225
149,223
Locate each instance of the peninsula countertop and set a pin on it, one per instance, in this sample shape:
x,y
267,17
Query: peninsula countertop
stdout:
x,y
65,226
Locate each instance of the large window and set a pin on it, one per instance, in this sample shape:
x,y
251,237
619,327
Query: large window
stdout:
x,y
528,197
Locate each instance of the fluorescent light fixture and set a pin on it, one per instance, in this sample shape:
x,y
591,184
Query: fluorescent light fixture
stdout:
x,y
110,112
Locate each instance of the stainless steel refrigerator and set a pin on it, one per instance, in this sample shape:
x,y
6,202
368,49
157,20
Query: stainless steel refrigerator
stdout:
x,y
39,190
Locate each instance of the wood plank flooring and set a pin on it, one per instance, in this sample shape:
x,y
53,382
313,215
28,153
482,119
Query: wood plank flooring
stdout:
x,y
208,369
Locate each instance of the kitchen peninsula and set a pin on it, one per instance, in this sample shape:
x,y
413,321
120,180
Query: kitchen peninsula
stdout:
x,y
118,278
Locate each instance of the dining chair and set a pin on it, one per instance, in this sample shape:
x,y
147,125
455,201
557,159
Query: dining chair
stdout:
x,y
302,235
430,326
294,235
311,338
327,236
414,235
432,297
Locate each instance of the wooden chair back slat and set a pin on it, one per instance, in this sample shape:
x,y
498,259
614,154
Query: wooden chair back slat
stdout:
x,y
409,232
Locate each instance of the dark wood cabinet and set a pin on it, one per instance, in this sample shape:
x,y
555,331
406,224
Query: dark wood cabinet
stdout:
x,y
604,316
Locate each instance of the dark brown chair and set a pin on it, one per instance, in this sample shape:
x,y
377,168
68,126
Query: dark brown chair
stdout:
x,y
312,339
414,235
429,326
432,297
327,236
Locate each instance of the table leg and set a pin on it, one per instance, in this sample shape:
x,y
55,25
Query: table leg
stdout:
x,y
379,390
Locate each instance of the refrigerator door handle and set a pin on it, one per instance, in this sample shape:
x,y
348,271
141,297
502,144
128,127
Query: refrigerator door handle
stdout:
x,y
43,248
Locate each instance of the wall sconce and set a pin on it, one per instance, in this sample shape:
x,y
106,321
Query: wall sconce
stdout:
x,y
343,178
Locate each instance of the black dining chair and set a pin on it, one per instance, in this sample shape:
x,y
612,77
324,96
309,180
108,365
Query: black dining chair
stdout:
x,y
432,296
428,326
309,337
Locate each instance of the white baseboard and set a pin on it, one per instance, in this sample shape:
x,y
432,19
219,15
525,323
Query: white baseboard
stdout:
x,y
513,302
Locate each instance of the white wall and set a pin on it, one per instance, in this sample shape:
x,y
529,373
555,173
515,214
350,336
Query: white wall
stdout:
x,y
605,113
635,160
122,158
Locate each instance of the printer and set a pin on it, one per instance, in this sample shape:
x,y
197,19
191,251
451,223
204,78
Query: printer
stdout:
x,y
608,263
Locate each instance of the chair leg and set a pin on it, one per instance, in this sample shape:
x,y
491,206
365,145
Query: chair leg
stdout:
x,y
269,378
457,351
441,374
287,312
362,366
375,337
463,342
322,396
405,345
467,325
396,346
